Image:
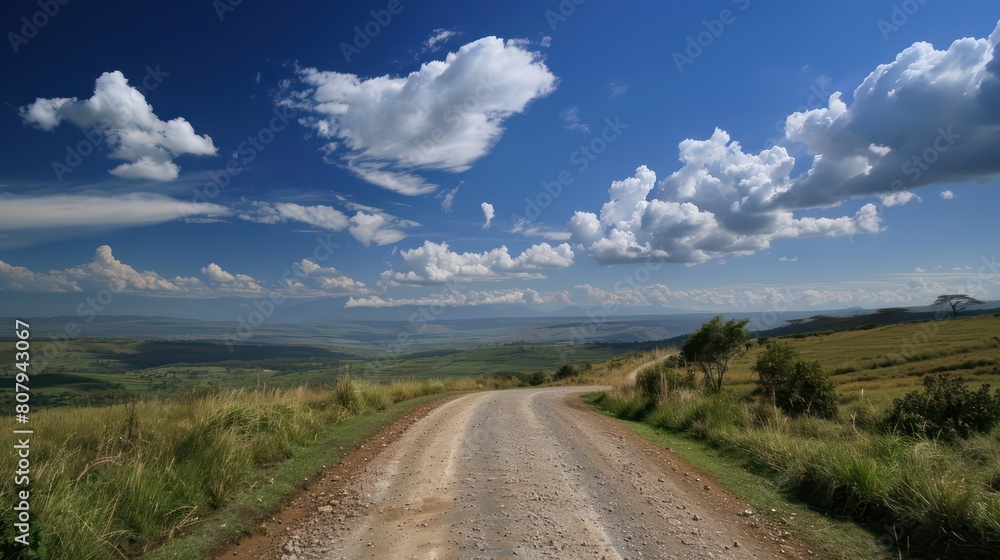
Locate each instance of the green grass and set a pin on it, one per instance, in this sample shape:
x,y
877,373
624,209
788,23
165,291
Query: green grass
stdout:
x,y
520,358
275,485
828,535
923,497
886,362
942,493
118,481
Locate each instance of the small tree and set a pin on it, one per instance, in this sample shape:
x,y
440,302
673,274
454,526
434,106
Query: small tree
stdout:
x,y
712,347
809,392
957,302
774,366
796,386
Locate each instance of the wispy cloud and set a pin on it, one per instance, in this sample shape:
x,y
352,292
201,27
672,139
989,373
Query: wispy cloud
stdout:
x,y
526,228
98,211
448,199
570,117
438,38
617,87
368,224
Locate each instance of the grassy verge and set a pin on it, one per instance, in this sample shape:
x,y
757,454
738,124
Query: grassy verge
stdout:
x,y
922,497
827,535
120,481
276,484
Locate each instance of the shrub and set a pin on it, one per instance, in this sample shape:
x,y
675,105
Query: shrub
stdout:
x,y
658,381
774,366
567,371
797,387
945,409
537,378
809,392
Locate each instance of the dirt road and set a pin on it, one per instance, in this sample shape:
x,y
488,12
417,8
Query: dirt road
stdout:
x,y
530,474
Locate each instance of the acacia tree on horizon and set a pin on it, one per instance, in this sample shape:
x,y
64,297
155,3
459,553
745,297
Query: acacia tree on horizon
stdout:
x,y
958,302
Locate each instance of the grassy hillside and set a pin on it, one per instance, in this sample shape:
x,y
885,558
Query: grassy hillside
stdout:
x,y
920,497
887,361
521,358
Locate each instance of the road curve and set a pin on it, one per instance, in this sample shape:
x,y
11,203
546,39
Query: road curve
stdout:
x,y
533,474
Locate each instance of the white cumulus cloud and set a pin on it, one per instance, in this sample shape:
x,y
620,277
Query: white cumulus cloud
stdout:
x,y
121,116
898,198
931,113
304,279
471,298
325,281
436,263
443,116
698,214
488,213
225,282
930,116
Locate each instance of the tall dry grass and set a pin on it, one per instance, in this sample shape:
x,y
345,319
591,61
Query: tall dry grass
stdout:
x,y
116,481
943,498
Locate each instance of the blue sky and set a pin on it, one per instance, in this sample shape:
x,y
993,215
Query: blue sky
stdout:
x,y
726,155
